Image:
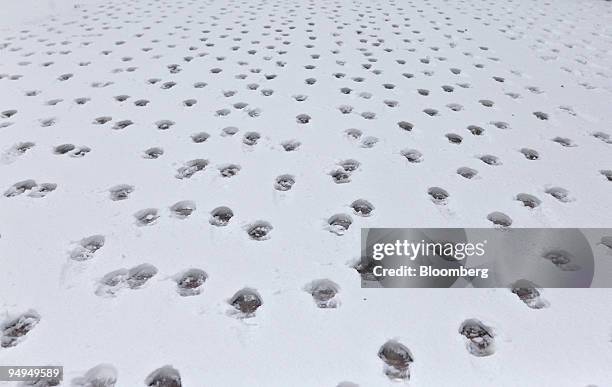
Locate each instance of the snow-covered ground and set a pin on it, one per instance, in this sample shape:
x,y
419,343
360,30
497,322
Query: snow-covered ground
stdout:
x,y
113,112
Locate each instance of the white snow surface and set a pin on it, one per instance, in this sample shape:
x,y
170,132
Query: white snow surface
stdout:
x,y
62,68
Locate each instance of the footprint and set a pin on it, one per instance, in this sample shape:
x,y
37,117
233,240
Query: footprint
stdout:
x,y
530,154
284,182
291,145
354,134
529,294
16,150
8,113
20,187
490,160
42,190
102,375
438,195
120,125
368,142
541,116
63,149
153,153
340,176
324,293
407,126
561,259
146,217
528,200
15,330
349,165
339,224
455,107
200,137
229,131
561,194
139,275
183,208
500,124
397,359
499,219
302,118
120,192
476,130
81,151
87,247
606,241
165,376
246,301
564,141
46,122
605,137
112,283
117,280
229,170
259,230
190,282
607,173
362,207
454,138
480,340
102,120
466,172
251,138
190,168
221,216
164,124
412,155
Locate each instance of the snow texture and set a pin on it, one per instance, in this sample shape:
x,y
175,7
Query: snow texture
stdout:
x,y
184,182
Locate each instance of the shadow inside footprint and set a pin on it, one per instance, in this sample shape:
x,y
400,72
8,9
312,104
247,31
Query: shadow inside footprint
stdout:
x,y
246,301
480,339
87,247
397,359
190,282
165,376
14,330
324,293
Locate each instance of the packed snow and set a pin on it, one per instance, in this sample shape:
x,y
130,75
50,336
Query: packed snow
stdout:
x,y
184,182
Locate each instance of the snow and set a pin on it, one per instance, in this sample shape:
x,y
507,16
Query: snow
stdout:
x,y
23,13
420,74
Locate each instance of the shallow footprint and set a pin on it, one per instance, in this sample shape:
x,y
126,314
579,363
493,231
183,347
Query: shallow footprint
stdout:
x,y
20,187
102,375
87,247
146,217
120,192
190,168
183,208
